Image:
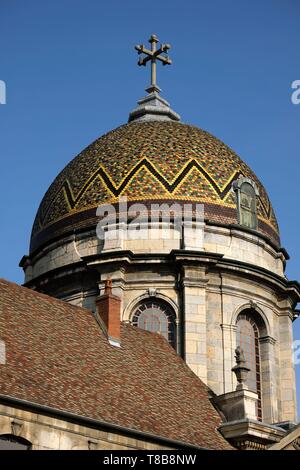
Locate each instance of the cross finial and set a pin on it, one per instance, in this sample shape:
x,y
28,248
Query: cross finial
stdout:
x,y
153,55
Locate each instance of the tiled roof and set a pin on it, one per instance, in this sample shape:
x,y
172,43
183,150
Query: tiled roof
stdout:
x,y
57,356
148,161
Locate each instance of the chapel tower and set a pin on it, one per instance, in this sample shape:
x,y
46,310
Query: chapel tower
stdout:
x,y
207,283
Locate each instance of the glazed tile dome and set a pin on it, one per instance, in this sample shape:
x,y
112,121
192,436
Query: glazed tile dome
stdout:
x,y
148,161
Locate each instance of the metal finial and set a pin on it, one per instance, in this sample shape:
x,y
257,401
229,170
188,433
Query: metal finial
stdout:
x,y
154,54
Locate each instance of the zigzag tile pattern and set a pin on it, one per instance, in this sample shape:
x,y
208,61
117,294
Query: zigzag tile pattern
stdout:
x,y
150,161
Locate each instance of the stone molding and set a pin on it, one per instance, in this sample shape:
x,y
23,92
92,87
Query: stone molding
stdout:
x,y
249,434
291,440
228,327
267,339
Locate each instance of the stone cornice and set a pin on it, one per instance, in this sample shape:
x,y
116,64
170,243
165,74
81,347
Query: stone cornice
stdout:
x,y
250,434
226,327
291,439
182,258
267,339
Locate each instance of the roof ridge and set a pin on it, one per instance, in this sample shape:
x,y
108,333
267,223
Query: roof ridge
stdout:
x,y
41,295
54,300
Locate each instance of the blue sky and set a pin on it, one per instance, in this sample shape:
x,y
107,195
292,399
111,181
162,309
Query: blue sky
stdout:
x,y
71,75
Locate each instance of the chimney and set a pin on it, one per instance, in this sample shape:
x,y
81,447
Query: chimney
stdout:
x,y
109,314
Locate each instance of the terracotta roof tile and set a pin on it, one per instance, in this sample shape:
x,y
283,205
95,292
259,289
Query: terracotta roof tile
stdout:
x,y
57,355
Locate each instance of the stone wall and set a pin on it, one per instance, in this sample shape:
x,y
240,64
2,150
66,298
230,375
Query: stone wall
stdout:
x,y
232,243
48,433
217,276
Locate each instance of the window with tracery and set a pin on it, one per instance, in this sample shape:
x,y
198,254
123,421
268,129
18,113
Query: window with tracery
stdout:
x,y
248,340
156,316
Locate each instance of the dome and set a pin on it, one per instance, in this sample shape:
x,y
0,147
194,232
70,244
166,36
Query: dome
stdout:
x,y
148,161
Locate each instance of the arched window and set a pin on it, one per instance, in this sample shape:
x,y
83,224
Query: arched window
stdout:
x,y
248,340
156,316
246,193
12,442
248,206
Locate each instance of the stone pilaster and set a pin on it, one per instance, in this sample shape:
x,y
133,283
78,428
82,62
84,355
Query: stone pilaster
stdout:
x,y
194,321
287,371
229,345
267,346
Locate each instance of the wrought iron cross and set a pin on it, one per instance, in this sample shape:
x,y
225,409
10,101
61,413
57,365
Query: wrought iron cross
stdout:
x,y
154,54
